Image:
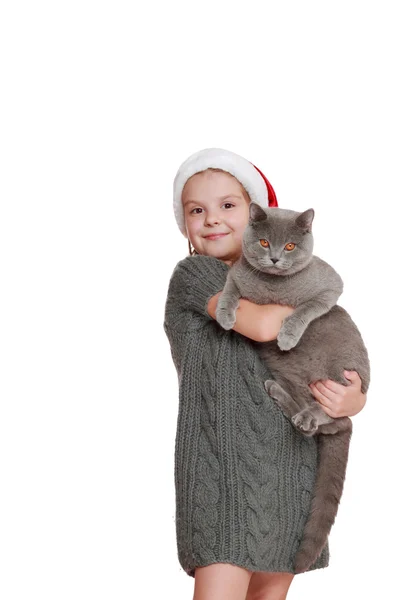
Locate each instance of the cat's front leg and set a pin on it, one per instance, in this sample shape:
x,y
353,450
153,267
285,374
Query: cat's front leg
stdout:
x,y
290,333
228,303
294,326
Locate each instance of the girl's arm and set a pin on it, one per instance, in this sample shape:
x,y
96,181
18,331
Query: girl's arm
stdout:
x,y
259,322
339,400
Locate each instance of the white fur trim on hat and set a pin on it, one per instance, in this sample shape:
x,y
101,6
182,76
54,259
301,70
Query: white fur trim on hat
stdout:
x,y
228,161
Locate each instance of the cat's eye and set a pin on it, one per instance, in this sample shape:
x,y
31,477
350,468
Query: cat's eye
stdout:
x,y
290,246
264,243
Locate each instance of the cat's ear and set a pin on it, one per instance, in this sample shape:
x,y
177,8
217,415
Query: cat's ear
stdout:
x,y
304,221
256,212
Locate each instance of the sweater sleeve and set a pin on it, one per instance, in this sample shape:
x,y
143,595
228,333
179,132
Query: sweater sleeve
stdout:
x,y
194,281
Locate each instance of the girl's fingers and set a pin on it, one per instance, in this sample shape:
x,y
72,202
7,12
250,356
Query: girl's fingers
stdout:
x,y
325,402
327,405
334,386
322,392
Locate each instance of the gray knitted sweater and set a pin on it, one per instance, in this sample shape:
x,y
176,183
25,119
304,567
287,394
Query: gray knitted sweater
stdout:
x,y
243,475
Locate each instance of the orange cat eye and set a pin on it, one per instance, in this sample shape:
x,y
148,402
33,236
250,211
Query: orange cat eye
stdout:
x,y
290,246
264,243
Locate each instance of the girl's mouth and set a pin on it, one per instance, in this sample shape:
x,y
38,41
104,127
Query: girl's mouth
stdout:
x,y
215,236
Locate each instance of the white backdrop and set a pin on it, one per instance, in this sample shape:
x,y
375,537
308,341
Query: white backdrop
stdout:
x,y
100,103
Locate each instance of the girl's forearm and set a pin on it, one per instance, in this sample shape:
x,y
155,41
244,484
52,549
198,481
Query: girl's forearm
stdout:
x,y
259,322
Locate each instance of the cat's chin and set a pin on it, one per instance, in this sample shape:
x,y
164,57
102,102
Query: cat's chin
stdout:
x,y
270,270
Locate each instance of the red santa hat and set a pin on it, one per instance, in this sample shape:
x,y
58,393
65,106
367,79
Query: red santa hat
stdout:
x,y
253,180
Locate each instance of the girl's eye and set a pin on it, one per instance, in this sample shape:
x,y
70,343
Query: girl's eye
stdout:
x,y
290,246
195,210
264,243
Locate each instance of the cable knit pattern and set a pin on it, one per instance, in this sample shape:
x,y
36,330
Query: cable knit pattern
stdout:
x,y
243,475
207,470
257,448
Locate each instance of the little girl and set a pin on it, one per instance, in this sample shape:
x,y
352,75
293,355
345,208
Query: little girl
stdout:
x,y
243,475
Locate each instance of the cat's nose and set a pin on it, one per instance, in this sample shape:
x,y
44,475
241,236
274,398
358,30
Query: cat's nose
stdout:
x,y
274,260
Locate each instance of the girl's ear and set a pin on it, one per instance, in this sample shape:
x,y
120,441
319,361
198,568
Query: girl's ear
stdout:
x,y
305,219
256,212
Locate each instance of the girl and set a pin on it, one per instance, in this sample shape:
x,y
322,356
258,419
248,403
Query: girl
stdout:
x,y
243,475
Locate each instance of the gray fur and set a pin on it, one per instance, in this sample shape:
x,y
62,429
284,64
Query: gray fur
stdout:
x,y
318,341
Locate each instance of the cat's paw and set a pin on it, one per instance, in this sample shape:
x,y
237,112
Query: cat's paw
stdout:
x,y
286,341
305,422
225,317
289,334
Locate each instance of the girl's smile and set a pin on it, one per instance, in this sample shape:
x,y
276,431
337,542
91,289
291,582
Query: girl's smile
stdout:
x,y
215,236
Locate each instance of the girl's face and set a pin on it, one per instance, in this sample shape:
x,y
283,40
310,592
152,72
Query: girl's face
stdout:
x,y
216,214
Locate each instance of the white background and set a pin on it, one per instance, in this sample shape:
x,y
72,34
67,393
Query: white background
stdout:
x,y
100,103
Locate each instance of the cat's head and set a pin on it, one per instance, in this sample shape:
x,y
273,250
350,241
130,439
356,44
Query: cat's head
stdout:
x,y
278,241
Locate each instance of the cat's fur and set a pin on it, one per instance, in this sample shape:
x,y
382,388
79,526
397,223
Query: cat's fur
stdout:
x,y
318,341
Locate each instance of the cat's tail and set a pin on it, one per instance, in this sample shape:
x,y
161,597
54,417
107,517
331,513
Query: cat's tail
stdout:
x,y
333,451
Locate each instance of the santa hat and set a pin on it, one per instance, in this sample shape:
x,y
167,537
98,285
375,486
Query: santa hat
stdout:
x,y
253,180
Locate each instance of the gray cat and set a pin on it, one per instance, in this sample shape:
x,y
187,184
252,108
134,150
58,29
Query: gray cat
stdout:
x,y
317,341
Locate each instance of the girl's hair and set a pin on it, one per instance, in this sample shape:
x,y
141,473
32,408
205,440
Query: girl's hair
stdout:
x,y
192,251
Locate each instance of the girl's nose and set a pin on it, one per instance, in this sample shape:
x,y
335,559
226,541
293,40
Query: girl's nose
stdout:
x,y
212,219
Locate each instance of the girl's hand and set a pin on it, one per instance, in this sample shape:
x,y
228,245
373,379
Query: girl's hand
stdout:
x,y
340,400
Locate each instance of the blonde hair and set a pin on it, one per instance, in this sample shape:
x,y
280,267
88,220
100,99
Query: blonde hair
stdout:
x,y
192,251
